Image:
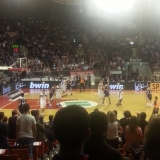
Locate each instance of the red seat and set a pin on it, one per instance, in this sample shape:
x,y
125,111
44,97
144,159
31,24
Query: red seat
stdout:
x,y
40,150
22,153
46,147
9,157
35,153
12,141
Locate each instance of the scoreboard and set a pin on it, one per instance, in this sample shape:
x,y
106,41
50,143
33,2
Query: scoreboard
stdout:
x,y
15,50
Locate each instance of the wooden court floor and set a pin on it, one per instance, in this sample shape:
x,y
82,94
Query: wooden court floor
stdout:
x,y
133,101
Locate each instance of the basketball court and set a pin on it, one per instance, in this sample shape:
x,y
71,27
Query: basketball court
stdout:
x,y
133,101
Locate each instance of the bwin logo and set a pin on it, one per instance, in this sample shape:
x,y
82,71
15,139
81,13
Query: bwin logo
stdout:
x,y
115,87
38,85
140,86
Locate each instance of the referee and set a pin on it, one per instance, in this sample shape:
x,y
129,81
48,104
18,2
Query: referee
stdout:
x,y
82,84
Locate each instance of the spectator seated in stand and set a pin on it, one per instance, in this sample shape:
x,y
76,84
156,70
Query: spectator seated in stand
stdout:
x,y
133,135
71,129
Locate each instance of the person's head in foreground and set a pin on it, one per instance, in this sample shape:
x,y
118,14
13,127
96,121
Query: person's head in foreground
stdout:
x,y
98,124
26,108
71,129
152,139
1,116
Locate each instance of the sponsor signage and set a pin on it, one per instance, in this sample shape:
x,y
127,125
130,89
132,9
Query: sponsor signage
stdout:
x,y
135,60
155,86
83,73
116,86
139,86
6,88
19,85
39,85
36,84
115,72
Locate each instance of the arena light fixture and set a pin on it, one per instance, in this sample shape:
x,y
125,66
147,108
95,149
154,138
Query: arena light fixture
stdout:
x,y
114,6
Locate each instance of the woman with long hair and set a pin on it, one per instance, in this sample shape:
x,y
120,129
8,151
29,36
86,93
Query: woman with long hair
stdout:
x,y
133,134
113,129
152,140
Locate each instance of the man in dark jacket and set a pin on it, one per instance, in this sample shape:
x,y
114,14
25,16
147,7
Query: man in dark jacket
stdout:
x,y
12,125
95,146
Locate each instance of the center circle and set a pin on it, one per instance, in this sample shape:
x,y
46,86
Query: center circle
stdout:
x,y
82,103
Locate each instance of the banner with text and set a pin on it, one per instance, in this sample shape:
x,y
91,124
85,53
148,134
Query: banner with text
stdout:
x,y
134,86
155,86
82,73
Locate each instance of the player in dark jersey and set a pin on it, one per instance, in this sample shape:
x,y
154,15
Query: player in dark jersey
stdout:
x,y
106,94
69,87
149,97
22,101
50,98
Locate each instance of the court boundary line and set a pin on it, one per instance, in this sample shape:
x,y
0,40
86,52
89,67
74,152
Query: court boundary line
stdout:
x,y
11,101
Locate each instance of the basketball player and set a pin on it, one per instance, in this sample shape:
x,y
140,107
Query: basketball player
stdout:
x,y
100,92
43,98
149,97
106,94
22,101
69,87
63,87
54,90
50,98
120,96
58,92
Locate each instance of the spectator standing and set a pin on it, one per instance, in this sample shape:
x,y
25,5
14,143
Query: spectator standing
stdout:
x,y
143,123
51,123
3,133
40,137
95,146
26,130
71,129
112,135
12,125
124,122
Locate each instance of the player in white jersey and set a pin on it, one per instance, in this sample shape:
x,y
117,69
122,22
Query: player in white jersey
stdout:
x,y
58,94
100,92
120,96
63,86
43,98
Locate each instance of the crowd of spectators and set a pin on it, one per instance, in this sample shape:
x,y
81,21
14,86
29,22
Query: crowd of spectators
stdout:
x,y
103,136
60,45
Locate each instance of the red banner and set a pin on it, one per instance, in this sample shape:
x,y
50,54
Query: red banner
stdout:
x,y
81,73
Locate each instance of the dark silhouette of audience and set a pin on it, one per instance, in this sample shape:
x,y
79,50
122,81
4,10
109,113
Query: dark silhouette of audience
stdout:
x,y
3,133
71,129
12,125
95,146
